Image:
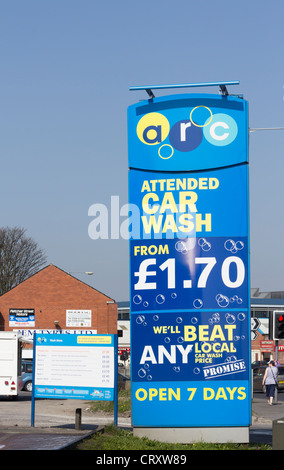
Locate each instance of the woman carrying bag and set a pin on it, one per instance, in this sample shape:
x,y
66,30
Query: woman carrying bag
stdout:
x,y
270,381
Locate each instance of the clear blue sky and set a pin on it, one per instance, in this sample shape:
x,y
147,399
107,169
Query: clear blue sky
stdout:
x,y
66,69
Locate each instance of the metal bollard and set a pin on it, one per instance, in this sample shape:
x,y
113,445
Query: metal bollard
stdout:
x,y
278,434
78,419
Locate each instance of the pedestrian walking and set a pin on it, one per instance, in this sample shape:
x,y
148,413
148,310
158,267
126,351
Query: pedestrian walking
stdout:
x,y
270,381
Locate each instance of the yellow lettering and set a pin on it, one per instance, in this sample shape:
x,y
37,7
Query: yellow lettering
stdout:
x,y
192,393
153,392
213,183
187,226
225,348
242,394
203,183
221,394
187,198
162,394
153,223
206,222
231,392
169,224
208,393
174,394
217,333
138,394
145,186
189,333
230,329
203,333
145,203
171,184
168,203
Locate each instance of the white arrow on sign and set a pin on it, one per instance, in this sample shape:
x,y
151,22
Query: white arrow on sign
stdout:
x,y
255,323
254,335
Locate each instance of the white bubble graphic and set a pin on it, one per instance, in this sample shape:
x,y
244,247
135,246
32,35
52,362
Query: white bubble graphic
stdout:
x,y
184,246
160,299
180,246
140,319
241,316
232,246
197,303
237,299
141,373
230,319
204,244
216,317
137,299
222,300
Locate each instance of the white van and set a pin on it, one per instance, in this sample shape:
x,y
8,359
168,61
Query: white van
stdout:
x,y
10,363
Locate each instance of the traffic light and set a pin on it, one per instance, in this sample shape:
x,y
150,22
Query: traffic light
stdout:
x,y
278,325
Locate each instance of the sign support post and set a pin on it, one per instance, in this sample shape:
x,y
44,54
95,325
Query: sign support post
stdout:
x,y
189,266
33,381
115,380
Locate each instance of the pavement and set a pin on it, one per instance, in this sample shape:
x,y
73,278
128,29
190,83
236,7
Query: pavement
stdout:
x,y
64,436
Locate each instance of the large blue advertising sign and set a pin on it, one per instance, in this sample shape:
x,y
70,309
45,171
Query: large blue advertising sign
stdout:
x,y
189,261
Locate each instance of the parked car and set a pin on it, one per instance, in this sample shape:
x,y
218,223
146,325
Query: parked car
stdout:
x,y
122,381
27,375
258,364
258,374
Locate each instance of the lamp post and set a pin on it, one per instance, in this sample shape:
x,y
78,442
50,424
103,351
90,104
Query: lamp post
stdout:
x,y
266,129
89,273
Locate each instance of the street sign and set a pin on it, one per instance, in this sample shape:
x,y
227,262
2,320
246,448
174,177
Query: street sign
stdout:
x,y
254,335
255,323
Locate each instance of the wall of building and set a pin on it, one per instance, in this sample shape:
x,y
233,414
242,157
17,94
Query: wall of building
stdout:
x,y
51,293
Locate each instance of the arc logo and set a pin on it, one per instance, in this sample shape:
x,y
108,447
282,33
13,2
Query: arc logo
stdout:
x,y
186,135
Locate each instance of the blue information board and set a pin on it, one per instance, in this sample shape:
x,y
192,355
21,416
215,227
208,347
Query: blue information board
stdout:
x,y
74,366
189,261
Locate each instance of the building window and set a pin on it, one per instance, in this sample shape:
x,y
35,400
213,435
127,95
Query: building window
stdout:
x,y
123,314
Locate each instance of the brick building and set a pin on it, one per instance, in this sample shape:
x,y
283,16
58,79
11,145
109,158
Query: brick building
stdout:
x,y
52,299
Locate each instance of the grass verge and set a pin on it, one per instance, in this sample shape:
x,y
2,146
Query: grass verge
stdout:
x,y
114,438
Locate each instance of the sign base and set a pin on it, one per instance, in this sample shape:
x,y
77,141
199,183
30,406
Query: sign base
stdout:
x,y
219,435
